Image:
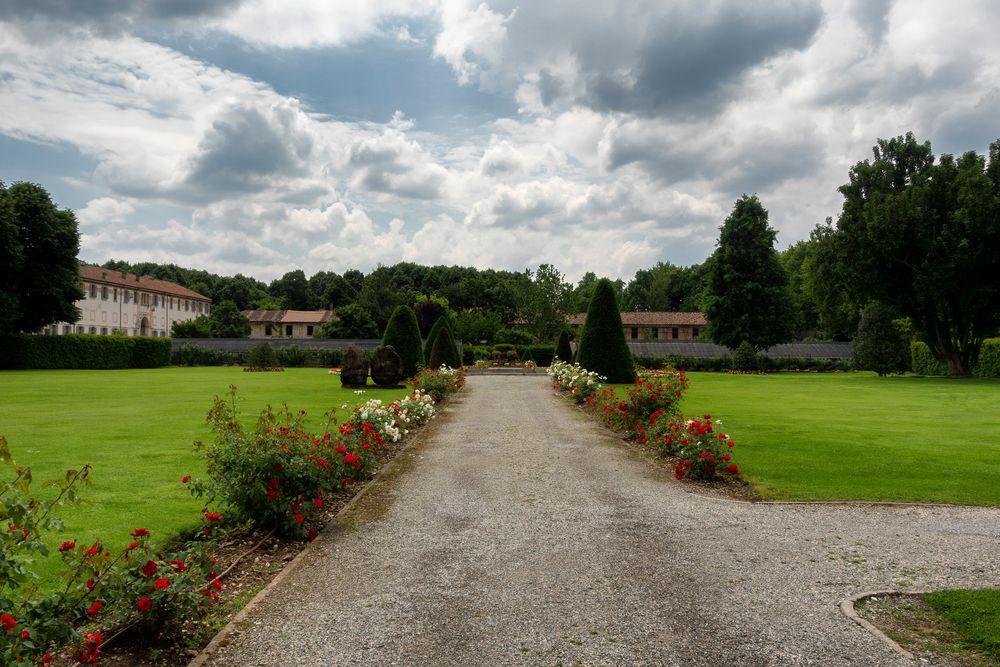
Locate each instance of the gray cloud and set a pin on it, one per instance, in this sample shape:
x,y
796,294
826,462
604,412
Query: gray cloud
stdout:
x,y
245,148
685,68
112,14
872,16
391,164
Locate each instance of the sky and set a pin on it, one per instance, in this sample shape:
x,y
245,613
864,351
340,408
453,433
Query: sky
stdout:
x,y
263,136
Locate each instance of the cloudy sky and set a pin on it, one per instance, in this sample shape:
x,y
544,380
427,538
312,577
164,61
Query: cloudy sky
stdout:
x,y
260,136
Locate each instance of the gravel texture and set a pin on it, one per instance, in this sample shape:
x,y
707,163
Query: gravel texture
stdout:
x,y
520,532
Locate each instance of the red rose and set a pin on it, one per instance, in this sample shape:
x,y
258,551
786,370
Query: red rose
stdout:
x,y
66,546
134,545
312,534
8,622
733,469
162,583
144,605
94,550
94,608
140,532
90,584
185,479
299,518
25,634
149,569
179,565
318,502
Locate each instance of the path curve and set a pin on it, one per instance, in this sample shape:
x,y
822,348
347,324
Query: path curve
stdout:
x,y
523,533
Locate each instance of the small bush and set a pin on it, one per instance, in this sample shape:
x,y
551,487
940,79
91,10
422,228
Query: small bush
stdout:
x,y
703,453
513,337
989,359
293,356
879,345
439,383
745,358
199,355
262,358
330,358
923,361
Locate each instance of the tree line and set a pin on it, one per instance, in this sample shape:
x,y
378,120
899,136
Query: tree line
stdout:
x,y
918,237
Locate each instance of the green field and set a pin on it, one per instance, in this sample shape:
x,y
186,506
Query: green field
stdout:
x,y
136,428
831,436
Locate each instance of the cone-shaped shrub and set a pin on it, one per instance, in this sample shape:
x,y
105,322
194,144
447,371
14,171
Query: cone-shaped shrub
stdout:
x,y
432,336
602,342
403,334
563,350
444,350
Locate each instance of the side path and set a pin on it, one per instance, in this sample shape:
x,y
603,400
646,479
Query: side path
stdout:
x,y
523,534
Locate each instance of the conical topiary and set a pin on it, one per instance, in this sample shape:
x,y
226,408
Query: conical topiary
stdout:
x,y
403,333
602,346
563,350
432,335
444,350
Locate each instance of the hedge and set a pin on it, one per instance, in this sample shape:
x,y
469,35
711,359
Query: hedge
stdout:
x,y
542,354
989,359
923,361
85,351
191,354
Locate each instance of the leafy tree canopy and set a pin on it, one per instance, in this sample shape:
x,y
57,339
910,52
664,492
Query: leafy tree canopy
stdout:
x,y
226,321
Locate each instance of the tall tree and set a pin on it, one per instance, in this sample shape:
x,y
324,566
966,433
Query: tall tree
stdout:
x,y
747,296
292,289
544,302
924,238
352,321
226,321
603,348
41,275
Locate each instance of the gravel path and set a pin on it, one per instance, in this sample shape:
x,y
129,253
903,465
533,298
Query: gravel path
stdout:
x,y
519,532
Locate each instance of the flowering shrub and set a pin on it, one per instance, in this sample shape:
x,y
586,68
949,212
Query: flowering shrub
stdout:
x,y
575,380
439,383
102,592
384,419
648,396
703,453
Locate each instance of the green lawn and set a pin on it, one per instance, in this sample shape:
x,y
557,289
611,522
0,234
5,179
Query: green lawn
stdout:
x,y
826,436
136,428
974,615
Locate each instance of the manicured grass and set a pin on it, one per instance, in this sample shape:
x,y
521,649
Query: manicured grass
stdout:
x,y
974,615
136,429
838,436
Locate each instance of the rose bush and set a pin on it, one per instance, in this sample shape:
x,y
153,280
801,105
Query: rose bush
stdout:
x,y
439,383
574,380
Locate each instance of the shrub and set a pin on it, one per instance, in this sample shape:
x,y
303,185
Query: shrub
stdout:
x,y
575,380
262,358
879,345
989,359
703,453
564,351
923,361
745,358
199,327
292,356
439,383
199,355
513,337
542,355
330,358
83,351
444,351
432,336
603,349
403,334
150,352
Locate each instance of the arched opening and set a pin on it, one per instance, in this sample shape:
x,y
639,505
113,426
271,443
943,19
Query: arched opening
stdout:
x,y
144,327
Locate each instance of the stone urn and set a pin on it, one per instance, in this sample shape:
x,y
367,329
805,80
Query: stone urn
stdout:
x,y
354,369
387,367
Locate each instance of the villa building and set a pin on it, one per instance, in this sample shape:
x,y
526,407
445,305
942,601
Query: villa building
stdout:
x,y
654,325
287,323
119,302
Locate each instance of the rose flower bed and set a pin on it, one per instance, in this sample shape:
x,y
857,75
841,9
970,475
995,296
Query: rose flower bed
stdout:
x,y
649,414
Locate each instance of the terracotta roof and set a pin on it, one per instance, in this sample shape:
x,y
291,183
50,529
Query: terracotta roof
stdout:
x,y
290,316
95,274
650,319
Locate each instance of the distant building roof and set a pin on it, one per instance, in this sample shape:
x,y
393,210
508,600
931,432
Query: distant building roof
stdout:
x,y
96,274
650,319
290,316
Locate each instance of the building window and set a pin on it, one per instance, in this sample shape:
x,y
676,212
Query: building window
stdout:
x,y
156,300
79,329
93,291
654,333
267,329
288,329
187,305
135,296
206,309
104,292
104,331
93,330
67,329
309,330
115,294
675,333
695,331
126,296
635,333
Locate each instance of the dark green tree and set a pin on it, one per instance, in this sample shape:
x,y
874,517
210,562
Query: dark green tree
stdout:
x,y
444,350
38,247
403,334
429,311
879,344
602,342
747,295
442,322
564,352
226,321
924,239
352,321
199,327
292,290
477,326
544,301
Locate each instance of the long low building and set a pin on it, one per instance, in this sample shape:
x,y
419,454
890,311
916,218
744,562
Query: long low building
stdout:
x,y
655,325
120,302
269,324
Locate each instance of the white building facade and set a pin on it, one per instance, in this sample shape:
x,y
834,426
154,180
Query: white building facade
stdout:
x,y
119,302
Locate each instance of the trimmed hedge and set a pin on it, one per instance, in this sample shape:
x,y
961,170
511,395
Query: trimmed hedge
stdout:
x,y
192,354
444,351
86,351
403,333
603,349
923,361
542,354
989,359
